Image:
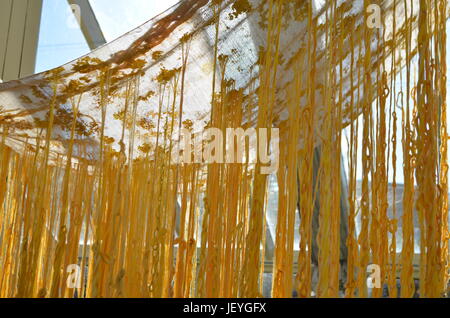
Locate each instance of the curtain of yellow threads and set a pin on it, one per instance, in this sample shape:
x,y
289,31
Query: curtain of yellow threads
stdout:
x,y
119,218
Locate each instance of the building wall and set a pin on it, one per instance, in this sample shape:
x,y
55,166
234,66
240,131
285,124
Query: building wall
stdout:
x,y
19,34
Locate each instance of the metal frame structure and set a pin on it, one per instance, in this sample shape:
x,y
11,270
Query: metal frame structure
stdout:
x,y
88,23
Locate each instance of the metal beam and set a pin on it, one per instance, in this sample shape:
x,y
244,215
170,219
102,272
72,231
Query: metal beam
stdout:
x,y
88,23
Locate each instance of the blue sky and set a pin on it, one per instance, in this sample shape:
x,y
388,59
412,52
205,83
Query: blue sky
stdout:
x,y
61,40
